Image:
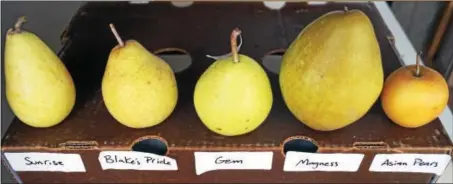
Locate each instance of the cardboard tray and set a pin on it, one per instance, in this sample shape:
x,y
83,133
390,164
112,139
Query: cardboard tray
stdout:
x,y
200,29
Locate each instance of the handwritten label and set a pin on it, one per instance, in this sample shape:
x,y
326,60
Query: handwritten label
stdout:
x,y
209,161
332,162
133,160
416,163
45,162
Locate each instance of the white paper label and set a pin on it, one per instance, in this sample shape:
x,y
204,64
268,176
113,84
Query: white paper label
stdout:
x,y
210,161
331,162
50,162
416,163
134,160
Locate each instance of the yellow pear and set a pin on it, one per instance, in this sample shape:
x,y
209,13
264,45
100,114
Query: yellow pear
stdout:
x,y
233,96
332,74
139,89
39,89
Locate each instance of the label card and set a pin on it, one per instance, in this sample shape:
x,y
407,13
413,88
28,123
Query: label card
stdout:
x,y
416,163
134,160
331,162
45,162
210,161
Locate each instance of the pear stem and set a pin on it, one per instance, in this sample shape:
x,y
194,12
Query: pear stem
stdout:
x,y
18,25
234,46
117,36
417,65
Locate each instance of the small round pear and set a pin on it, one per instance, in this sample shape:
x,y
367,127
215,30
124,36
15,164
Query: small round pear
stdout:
x,y
233,96
139,89
39,88
414,95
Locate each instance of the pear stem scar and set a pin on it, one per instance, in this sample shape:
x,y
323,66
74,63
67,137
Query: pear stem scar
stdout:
x,y
117,36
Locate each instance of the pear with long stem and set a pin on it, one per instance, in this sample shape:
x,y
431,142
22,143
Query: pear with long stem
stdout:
x,y
139,88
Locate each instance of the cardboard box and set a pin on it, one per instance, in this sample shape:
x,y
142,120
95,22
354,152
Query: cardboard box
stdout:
x,y
200,29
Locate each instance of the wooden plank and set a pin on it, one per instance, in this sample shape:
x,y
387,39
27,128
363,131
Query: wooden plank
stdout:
x,y
443,60
439,32
450,81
